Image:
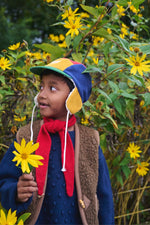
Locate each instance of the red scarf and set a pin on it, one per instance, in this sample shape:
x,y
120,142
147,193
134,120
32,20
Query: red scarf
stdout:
x,y
53,126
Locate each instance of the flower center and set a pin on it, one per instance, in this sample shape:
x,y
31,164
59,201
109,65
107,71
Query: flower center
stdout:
x,y
137,64
24,156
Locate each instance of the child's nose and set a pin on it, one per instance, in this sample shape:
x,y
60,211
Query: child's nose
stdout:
x,y
43,93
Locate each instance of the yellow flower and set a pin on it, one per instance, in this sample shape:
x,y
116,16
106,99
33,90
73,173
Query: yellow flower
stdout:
x,y
109,30
138,65
133,9
21,222
124,31
121,35
133,150
133,35
25,157
19,119
48,1
73,26
63,44
95,61
84,15
4,63
147,83
15,46
69,13
120,10
142,168
10,219
61,37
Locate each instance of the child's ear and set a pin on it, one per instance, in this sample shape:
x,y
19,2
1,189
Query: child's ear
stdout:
x,y
35,100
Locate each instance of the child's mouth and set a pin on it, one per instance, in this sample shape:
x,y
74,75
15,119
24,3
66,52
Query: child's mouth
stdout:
x,y
43,105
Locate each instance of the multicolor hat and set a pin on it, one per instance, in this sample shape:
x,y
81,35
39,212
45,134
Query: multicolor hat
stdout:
x,y
75,72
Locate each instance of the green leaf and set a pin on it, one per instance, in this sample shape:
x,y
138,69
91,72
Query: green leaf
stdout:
x,y
127,95
119,178
104,94
126,171
114,68
120,106
125,161
122,2
93,11
103,141
103,33
136,3
116,160
146,97
92,69
21,55
145,49
124,43
68,40
139,81
76,41
24,217
113,86
2,79
55,51
77,57
111,119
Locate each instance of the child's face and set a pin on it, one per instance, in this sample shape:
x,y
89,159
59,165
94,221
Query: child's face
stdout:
x,y
52,96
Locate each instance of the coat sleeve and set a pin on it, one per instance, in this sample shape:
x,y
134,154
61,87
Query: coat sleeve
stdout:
x,y
104,193
9,175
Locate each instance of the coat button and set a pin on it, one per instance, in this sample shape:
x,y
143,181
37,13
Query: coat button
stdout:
x,y
82,204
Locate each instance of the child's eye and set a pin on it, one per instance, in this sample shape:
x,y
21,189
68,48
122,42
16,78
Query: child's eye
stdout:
x,y
52,88
41,87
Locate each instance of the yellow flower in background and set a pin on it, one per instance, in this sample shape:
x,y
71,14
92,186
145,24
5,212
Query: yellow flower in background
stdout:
x,y
15,46
121,35
84,15
142,168
48,1
109,30
4,63
73,26
133,9
37,55
133,35
95,60
61,37
45,55
69,13
133,150
147,83
120,10
63,44
24,155
19,119
9,219
138,65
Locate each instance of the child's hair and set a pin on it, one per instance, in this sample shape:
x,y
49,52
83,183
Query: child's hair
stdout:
x,y
65,79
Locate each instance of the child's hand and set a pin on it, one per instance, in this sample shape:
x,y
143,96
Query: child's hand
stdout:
x,y
25,187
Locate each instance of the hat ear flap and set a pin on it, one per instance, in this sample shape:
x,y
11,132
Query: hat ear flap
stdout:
x,y
74,101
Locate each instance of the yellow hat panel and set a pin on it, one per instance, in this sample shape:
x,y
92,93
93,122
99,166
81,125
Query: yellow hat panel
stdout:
x,y
61,64
74,101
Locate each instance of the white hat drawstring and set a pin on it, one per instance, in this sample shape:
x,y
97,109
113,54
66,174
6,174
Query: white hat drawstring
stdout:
x,y
32,117
65,143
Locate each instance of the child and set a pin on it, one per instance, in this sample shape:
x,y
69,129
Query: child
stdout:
x,y
73,185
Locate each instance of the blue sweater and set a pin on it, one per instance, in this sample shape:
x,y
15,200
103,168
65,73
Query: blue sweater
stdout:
x,y
57,207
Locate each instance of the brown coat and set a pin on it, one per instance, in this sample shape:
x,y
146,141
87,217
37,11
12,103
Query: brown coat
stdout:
x,y
86,172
